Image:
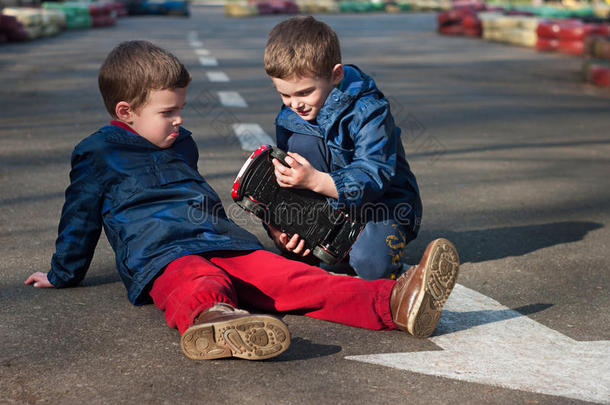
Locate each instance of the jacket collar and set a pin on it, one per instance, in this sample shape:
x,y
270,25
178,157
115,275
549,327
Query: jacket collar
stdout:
x,y
354,84
126,136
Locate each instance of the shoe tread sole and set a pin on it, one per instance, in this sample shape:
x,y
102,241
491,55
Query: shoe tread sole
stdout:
x,y
255,337
441,274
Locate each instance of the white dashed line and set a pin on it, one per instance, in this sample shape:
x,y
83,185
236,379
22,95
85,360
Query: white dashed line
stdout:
x,y
217,76
231,99
208,61
195,43
251,136
202,52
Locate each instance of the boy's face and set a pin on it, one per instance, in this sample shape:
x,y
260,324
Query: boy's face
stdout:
x,y
306,95
159,118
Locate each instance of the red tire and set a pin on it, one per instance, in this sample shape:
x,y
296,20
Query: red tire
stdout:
x,y
603,30
474,32
547,44
576,32
571,47
455,29
599,75
471,21
443,18
551,28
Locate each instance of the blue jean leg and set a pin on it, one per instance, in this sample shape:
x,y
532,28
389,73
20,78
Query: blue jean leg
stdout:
x,y
378,251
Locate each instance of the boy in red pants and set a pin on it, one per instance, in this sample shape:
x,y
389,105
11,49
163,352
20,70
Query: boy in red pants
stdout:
x,y
137,178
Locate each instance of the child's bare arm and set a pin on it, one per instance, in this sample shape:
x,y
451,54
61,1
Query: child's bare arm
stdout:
x,y
301,174
39,280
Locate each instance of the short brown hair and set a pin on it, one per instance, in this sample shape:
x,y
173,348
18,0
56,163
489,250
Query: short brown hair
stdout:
x,y
302,46
133,69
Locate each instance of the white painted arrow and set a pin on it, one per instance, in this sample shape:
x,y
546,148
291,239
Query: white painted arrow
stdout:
x,y
488,343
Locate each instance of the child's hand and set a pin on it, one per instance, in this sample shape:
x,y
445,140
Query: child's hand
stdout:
x,y
301,174
39,280
295,244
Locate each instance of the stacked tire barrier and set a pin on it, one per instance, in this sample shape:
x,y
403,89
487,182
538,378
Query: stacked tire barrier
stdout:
x,y
28,23
567,36
277,7
240,8
11,30
36,23
102,15
247,8
317,6
596,65
510,29
77,14
158,7
578,33
460,21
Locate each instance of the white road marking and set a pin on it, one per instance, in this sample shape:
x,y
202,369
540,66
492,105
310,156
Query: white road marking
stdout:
x,y
251,136
192,36
208,61
231,99
488,343
202,52
217,76
195,43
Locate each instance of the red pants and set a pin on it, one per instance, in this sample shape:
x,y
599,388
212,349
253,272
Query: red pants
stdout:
x,y
268,282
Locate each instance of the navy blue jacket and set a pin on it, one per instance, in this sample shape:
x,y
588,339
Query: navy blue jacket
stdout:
x,y
153,204
367,159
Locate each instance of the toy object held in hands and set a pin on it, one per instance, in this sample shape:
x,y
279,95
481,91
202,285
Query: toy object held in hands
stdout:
x,y
328,232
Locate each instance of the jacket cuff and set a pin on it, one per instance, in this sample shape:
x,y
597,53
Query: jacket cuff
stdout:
x,y
349,193
56,281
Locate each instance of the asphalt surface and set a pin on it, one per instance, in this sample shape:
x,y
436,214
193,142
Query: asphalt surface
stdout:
x,y
510,149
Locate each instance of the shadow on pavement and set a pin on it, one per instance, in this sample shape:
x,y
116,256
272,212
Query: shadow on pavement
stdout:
x,y
498,243
304,349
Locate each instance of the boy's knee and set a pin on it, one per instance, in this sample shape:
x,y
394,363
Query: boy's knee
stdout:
x,y
371,266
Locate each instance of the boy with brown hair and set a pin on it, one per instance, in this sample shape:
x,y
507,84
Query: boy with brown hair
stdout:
x,y
342,142
174,245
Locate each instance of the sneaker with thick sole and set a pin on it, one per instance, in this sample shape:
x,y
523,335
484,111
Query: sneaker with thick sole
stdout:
x,y
219,333
418,297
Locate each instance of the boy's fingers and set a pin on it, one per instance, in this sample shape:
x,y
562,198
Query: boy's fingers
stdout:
x,y
293,242
300,246
32,278
297,158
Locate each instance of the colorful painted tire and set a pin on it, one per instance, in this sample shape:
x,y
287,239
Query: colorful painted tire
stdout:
x,y
471,21
571,47
28,17
103,21
547,44
597,72
576,32
551,28
474,31
240,10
